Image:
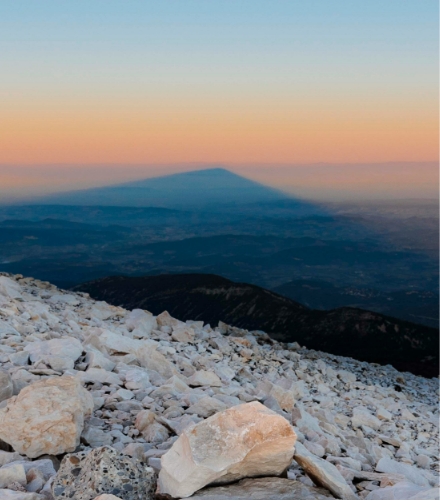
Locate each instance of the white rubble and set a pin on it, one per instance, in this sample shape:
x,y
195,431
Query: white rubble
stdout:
x,y
139,382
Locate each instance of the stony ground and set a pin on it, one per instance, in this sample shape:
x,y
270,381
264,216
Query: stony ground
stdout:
x,y
97,400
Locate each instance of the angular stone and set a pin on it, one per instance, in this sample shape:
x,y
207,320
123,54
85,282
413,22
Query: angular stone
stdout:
x,y
112,344
166,320
361,417
206,406
404,490
411,473
173,386
10,288
183,334
244,441
151,429
95,437
6,386
47,417
323,473
12,473
284,397
8,457
263,488
140,323
96,360
382,413
86,475
100,376
204,378
66,347
152,360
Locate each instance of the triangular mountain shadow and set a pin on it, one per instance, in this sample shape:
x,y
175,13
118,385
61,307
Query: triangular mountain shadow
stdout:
x,y
208,188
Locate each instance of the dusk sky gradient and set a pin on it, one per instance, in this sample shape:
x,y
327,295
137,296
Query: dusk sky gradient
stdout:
x,y
95,92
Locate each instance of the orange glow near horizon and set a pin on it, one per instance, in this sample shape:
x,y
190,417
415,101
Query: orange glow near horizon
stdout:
x,y
228,132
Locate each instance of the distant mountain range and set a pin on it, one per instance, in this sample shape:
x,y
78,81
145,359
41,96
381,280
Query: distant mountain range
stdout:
x,y
352,332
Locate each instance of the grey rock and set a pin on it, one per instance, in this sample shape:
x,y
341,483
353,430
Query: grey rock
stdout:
x,y
86,475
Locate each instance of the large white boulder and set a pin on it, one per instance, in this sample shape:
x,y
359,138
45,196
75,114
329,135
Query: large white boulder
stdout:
x,y
47,417
248,440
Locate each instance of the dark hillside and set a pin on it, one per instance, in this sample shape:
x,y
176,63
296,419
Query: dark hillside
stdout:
x,y
352,332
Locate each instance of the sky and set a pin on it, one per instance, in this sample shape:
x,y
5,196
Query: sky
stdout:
x,y
329,98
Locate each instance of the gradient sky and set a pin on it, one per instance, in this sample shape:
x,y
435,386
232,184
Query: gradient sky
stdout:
x,y
151,87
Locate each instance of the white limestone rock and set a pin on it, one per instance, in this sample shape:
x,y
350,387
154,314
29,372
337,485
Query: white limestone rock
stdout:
x,y
244,441
47,417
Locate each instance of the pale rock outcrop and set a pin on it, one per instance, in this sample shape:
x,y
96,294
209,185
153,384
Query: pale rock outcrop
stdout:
x,y
86,475
244,441
47,417
323,473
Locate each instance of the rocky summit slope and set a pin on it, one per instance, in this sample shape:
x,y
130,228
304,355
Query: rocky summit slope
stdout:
x,y
350,332
97,402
